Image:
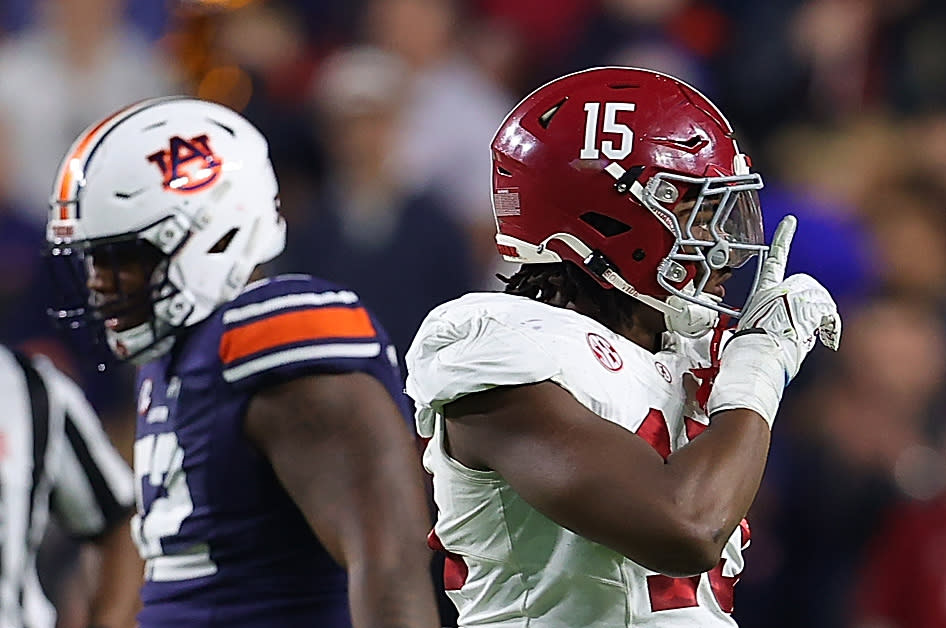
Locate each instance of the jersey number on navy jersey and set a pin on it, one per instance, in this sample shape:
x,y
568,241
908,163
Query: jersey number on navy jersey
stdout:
x,y
164,502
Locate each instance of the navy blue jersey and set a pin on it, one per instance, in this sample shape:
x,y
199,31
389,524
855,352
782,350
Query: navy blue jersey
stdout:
x,y
224,543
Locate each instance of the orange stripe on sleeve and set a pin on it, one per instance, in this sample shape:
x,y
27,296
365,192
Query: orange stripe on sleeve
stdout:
x,y
292,327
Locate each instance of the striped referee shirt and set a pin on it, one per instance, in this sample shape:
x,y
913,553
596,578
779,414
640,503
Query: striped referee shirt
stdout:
x,y
54,458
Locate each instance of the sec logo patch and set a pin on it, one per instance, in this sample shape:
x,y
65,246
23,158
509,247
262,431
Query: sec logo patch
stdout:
x,y
605,352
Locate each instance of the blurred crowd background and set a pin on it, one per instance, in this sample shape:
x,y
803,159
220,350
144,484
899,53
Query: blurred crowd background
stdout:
x,y
379,114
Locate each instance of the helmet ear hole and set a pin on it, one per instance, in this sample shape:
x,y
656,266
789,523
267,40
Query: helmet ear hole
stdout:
x,y
605,225
223,243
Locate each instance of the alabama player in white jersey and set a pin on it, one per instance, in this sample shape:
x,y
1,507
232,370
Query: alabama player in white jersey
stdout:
x,y
599,430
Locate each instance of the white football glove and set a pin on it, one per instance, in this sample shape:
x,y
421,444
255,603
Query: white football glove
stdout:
x,y
779,326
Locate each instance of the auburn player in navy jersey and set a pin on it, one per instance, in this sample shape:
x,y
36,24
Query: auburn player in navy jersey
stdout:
x,y
277,481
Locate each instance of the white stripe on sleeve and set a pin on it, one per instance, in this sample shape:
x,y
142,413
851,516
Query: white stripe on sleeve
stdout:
x,y
302,354
312,299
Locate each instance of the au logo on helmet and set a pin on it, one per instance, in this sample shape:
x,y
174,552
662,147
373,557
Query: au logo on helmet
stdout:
x,y
189,165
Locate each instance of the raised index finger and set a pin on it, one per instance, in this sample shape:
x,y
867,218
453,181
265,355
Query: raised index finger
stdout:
x,y
773,270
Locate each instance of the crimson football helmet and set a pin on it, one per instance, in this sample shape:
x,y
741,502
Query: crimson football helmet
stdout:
x,y
634,176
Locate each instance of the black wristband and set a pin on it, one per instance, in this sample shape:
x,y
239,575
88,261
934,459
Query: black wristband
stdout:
x,y
744,332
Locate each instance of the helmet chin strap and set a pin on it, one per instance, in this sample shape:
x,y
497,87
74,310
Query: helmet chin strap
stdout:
x,y
137,344
681,316
691,319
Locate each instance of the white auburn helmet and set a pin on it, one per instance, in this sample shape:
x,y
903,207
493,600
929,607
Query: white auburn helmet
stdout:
x,y
187,179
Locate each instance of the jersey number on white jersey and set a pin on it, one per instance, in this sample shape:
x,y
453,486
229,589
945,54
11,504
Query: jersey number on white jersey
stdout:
x,y
668,593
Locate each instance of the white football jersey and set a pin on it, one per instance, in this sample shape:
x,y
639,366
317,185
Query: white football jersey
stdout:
x,y
509,565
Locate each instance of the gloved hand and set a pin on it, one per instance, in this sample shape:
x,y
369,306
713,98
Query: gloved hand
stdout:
x,y
779,326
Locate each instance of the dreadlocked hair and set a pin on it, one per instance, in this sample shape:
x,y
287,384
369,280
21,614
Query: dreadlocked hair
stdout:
x,y
564,283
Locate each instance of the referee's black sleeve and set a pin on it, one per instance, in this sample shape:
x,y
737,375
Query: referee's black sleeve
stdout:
x,y
92,485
